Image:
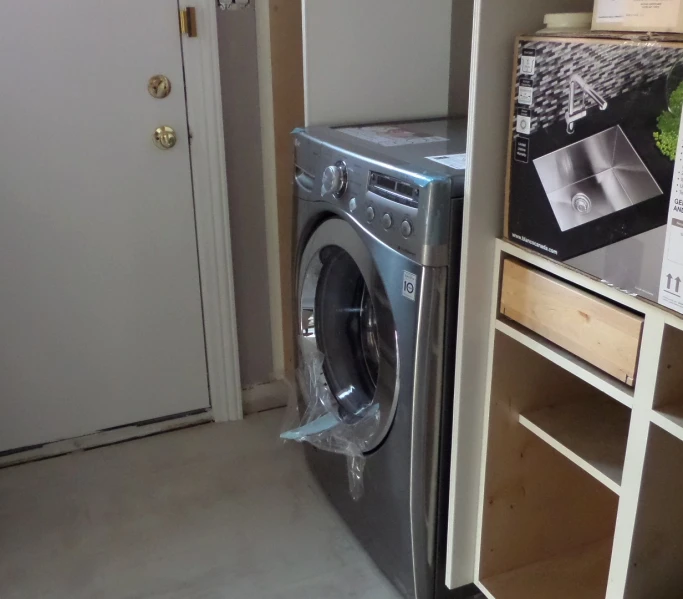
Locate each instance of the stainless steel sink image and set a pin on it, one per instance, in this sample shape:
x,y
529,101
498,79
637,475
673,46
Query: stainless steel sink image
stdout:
x,y
594,177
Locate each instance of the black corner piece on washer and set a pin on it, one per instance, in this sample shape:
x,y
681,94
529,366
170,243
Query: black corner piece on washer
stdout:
x,y
471,591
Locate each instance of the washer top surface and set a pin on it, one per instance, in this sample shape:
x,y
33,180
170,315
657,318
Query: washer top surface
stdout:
x,y
408,146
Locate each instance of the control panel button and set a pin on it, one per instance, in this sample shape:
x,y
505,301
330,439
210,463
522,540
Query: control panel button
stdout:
x,y
387,221
370,214
406,228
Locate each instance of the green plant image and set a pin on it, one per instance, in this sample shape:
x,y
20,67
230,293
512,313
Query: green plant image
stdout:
x,y
669,123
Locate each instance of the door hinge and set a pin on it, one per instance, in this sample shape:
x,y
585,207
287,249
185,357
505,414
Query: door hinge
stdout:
x,y
188,21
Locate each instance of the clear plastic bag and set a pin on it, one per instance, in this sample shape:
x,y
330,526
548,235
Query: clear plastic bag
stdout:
x,y
314,417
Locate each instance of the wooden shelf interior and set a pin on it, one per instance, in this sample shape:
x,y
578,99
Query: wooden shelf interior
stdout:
x,y
669,390
655,568
548,524
568,361
578,573
590,432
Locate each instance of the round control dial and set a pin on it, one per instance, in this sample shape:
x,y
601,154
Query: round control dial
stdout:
x,y
370,214
406,228
334,180
387,221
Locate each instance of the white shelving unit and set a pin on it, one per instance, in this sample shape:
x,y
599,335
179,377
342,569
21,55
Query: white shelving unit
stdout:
x,y
582,478
547,538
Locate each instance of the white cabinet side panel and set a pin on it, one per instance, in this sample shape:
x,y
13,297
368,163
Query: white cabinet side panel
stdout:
x,y
496,23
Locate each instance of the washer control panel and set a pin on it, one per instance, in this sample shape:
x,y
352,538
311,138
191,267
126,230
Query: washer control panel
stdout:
x,y
408,211
387,206
394,189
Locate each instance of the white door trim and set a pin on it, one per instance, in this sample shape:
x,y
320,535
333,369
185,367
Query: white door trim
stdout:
x,y
205,119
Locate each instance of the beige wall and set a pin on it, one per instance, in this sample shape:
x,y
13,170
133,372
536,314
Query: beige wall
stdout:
x,y
241,118
359,57
461,54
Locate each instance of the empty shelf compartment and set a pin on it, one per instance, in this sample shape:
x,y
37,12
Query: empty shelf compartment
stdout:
x,y
548,523
591,432
668,402
655,569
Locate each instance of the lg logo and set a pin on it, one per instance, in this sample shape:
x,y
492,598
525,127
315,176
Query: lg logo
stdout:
x,y
409,285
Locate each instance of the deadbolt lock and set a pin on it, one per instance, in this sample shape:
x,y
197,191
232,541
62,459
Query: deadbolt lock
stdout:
x,y
165,137
159,86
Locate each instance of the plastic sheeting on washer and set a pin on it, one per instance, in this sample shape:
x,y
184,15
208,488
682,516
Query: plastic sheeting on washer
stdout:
x,y
314,417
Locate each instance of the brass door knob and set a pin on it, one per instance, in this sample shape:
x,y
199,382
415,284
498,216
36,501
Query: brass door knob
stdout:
x,y
159,86
165,137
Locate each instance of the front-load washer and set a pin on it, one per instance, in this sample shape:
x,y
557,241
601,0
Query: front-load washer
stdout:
x,y
379,219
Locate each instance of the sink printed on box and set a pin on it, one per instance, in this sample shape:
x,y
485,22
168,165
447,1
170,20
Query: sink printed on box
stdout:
x,y
595,177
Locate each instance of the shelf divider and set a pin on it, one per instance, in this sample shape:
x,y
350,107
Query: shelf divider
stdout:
x,y
592,433
669,418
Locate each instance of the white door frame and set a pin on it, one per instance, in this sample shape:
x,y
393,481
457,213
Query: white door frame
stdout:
x,y
205,120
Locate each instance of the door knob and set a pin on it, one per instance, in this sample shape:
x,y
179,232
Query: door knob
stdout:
x,y
165,137
159,86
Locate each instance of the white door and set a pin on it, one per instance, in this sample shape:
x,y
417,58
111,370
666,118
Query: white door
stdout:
x,y
100,306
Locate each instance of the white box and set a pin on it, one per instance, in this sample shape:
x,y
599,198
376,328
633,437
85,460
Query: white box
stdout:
x,y
639,15
671,279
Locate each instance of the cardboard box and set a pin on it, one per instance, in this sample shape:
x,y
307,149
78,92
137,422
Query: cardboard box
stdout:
x,y
592,156
638,15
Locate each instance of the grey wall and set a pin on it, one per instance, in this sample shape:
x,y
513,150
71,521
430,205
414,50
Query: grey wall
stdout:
x,y
241,118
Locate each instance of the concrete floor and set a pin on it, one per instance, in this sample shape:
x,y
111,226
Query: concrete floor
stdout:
x,y
219,511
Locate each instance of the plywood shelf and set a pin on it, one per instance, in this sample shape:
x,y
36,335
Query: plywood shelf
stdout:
x,y
580,574
567,361
591,433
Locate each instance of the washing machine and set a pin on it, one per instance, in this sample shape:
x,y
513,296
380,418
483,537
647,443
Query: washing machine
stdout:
x,y
379,220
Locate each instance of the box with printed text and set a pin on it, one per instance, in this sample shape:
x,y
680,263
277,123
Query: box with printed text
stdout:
x,y
593,179
638,15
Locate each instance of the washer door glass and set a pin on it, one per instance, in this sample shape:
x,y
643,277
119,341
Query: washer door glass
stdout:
x,y
344,307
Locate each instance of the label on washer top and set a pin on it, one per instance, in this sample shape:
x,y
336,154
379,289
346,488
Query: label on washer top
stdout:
x,y
391,135
409,285
455,161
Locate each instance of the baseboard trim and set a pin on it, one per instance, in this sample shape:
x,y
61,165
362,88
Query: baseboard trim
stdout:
x,y
103,438
266,396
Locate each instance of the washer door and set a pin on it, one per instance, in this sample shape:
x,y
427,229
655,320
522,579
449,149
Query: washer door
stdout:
x,y
344,306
